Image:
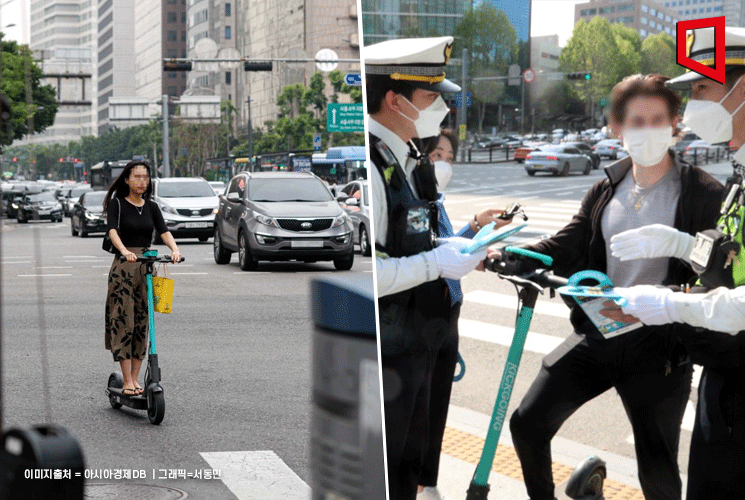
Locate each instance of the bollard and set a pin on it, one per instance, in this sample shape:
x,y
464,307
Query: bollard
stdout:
x,y
346,450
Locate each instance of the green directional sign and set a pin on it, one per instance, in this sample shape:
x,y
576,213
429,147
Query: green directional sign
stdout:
x,y
344,117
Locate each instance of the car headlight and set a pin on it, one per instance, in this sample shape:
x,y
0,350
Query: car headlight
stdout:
x,y
58,207
266,220
168,209
14,205
91,216
216,210
340,220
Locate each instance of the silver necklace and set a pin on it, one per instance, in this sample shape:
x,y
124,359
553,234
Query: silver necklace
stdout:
x,y
139,209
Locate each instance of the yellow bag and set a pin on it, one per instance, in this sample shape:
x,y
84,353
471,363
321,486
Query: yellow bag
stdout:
x,y
162,293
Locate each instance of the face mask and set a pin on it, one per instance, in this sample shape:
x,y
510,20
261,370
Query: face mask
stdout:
x,y
428,122
647,146
709,119
443,172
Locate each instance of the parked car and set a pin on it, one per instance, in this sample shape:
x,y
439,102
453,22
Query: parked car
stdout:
x,y
38,206
87,214
72,197
585,149
188,205
558,159
354,198
281,216
218,187
608,148
680,146
700,149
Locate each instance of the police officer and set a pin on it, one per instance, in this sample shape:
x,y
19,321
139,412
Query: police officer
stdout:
x,y
716,112
404,82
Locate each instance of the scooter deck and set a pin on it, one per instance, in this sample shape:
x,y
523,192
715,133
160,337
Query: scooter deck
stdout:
x,y
134,402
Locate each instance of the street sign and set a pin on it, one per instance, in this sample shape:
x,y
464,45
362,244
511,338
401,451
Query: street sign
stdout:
x,y
528,75
344,117
459,99
316,141
513,71
326,60
462,133
514,82
603,102
353,79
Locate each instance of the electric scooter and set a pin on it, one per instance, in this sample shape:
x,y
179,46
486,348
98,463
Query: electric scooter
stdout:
x,y
527,271
152,399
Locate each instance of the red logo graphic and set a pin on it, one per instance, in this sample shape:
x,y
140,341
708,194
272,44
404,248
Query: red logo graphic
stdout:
x,y
685,42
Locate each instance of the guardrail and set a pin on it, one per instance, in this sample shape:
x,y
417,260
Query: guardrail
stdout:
x,y
494,154
703,157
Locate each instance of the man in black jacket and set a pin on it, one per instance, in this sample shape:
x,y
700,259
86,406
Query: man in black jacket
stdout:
x,y
651,375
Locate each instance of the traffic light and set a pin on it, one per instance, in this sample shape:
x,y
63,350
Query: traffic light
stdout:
x,y
176,65
579,76
257,66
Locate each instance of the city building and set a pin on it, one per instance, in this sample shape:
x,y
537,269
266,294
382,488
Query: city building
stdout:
x,y
697,9
648,17
63,41
544,59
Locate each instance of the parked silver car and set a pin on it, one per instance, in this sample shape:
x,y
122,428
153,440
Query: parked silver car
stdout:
x,y
557,159
354,198
281,216
188,205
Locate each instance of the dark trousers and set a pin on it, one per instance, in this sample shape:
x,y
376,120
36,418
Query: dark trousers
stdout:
x,y
716,468
585,366
407,384
443,370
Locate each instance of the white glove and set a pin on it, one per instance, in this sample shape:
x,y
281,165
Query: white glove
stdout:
x,y
656,240
647,302
451,262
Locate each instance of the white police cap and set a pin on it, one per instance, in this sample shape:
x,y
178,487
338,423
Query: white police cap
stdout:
x,y
418,61
700,47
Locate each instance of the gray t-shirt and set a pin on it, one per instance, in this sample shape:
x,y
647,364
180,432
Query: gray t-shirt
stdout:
x,y
632,207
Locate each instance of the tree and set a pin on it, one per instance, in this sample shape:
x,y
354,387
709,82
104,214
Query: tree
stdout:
x,y
491,41
659,56
609,51
560,98
20,75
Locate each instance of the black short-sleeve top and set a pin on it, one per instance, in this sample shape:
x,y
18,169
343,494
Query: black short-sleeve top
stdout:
x,y
135,229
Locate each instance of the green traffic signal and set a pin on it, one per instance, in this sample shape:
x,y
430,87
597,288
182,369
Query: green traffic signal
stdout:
x,y
588,76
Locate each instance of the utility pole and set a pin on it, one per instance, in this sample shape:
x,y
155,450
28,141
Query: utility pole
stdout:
x,y
250,130
463,115
166,153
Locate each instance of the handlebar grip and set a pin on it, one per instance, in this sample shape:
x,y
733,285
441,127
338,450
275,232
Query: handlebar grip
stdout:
x,y
543,259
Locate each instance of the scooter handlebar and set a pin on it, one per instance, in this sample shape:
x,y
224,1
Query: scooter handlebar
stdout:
x,y
525,267
166,259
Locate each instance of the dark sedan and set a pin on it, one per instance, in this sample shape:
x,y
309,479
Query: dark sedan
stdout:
x,y
559,160
87,214
39,206
586,150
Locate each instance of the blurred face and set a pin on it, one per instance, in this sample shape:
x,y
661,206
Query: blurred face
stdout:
x,y
442,152
138,180
647,111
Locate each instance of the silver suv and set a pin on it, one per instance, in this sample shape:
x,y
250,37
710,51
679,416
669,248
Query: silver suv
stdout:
x,y
281,216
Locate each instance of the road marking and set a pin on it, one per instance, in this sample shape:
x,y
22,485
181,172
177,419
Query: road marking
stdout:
x,y
79,257
478,330
257,475
43,275
558,310
171,272
53,267
89,260
565,206
16,262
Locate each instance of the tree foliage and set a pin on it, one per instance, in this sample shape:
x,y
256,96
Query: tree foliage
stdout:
x,y
659,56
21,75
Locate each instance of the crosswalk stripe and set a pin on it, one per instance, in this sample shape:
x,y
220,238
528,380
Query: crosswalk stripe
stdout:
x,y
257,475
563,205
556,309
478,330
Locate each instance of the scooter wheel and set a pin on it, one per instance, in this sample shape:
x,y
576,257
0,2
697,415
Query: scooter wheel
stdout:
x,y
117,381
156,407
586,482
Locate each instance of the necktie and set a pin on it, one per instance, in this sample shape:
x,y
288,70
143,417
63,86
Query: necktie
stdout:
x,y
445,230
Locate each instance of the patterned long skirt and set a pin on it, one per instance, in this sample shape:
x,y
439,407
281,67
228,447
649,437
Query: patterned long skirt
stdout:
x,y
126,309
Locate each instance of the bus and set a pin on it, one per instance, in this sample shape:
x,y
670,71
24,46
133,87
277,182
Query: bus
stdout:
x,y
343,164
104,173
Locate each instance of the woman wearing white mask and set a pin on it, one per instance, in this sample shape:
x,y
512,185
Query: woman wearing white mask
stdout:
x,y
645,366
442,150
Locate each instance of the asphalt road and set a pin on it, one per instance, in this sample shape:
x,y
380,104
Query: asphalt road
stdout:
x,y
235,357
488,313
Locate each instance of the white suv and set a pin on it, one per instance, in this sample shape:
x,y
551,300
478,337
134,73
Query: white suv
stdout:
x,y
188,205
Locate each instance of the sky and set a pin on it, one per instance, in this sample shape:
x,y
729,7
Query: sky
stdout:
x,y
10,13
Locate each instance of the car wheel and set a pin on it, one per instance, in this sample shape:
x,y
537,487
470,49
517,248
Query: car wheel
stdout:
x,y
364,242
596,163
615,156
565,170
531,172
587,169
222,256
345,263
245,259
72,228
83,232
203,238
22,219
